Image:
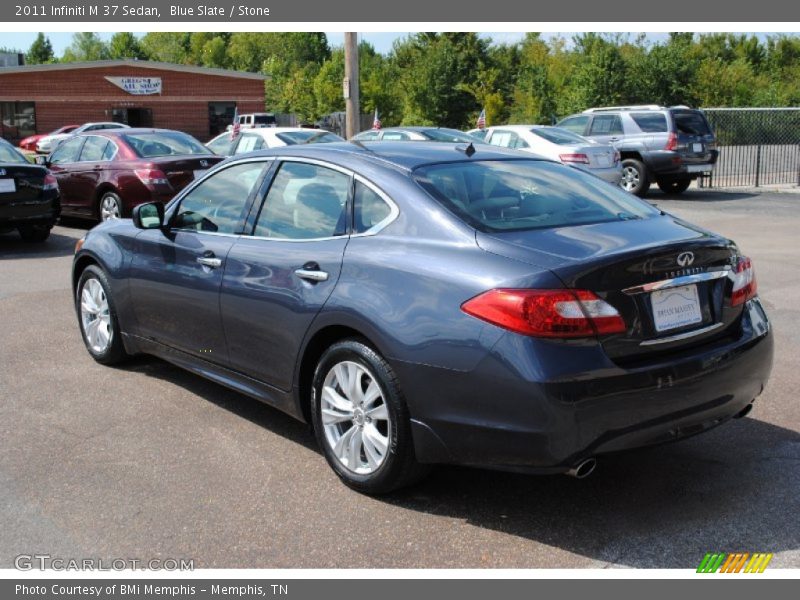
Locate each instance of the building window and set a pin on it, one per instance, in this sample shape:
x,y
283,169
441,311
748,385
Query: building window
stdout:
x,y
17,120
220,115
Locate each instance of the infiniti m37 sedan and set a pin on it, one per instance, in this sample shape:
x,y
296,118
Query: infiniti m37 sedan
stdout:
x,y
427,303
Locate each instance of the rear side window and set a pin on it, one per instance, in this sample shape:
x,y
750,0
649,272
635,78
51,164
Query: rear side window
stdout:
x,y
248,143
650,122
163,143
9,154
369,208
94,149
395,135
368,136
507,139
606,125
691,122
526,194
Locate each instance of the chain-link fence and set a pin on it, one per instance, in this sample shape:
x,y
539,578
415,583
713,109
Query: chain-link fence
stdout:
x,y
757,146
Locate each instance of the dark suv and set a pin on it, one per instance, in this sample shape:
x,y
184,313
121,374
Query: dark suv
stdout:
x,y
668,146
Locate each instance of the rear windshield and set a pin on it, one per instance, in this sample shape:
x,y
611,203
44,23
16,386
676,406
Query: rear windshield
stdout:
x,y
693,123
308,137
651,122
163,143
448,135
9,155
515,195
264,119
556,135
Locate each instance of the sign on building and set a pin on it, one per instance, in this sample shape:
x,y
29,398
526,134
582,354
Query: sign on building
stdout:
x,y
138,86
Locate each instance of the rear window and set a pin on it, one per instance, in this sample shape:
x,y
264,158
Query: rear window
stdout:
x,y
9,155
163,143
311,136
556,135
264,119
651,122
515,195
693,123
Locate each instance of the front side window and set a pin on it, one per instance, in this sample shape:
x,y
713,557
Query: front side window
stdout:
x,y
505,139
221,145
389,136
514,195
305,202
575,124
9,155
248,143
67,151
368,136
217,204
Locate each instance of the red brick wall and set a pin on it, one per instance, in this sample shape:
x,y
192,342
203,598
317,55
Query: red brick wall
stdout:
x,y
81,95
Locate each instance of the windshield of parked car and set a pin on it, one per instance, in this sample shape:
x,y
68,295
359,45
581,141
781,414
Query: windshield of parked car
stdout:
x,y
163,143
514,195
556,135
448,135
9,155
311,136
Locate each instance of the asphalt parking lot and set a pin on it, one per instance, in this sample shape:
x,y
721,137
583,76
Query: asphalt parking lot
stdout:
x,y
148,461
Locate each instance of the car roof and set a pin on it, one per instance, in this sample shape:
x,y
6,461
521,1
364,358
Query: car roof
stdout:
x,y
405,156
129,131
420,128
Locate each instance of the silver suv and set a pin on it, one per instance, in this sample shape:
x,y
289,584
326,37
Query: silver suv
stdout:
x,y
670,146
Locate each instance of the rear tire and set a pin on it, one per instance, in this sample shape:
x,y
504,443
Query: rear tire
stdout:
x,y
34,233
109,207
97,317
674,186
361,420
634,177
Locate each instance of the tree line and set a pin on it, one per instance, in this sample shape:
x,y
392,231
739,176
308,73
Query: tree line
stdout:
x,y
447,78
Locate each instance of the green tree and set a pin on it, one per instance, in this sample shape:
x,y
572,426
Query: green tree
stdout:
x,y
125,45
86,46
166,46
41,51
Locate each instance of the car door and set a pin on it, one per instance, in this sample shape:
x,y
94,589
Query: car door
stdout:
x,y
176,272
88,171
277,279
63,163
606,129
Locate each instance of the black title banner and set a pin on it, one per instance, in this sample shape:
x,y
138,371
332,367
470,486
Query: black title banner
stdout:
x,y
607,13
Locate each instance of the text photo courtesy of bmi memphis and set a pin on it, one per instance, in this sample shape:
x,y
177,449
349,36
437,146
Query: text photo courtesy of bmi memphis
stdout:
x,y
294,310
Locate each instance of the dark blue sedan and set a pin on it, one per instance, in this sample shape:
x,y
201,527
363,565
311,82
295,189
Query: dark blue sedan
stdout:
x,y
434,303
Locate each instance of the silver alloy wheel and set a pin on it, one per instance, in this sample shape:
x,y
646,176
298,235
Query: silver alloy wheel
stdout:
x,y
630,178
355,417
109,208
95,318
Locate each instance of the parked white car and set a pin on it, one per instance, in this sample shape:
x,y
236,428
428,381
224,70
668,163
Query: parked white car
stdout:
x,y
49,142
249,140
559,144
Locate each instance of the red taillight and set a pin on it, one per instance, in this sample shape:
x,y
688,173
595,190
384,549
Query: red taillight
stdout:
x,y
50,182
744,282
546,313
151,177
672,142
574,158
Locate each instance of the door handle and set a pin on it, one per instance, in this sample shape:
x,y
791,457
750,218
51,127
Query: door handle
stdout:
x,y
210,262
312,275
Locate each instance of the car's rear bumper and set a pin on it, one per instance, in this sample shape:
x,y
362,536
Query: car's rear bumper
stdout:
x,y
665,164
28,212
532,405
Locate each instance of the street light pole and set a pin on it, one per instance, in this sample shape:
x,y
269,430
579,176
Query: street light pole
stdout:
x,y
350,85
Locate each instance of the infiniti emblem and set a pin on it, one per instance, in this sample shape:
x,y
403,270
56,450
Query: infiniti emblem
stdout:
x,y
685,259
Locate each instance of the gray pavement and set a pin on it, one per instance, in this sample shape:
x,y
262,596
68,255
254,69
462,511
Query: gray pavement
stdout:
x,y
148,461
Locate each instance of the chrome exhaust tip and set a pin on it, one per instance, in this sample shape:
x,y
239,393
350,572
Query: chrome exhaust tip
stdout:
x,y
744,412
583,469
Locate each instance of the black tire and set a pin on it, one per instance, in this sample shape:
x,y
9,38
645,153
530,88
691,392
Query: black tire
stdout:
x,y
34,233
115,351
108,197
399,467
635,178
674,186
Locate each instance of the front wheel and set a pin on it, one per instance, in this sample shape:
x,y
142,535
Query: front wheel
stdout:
x,y
634,177
361,420
97,317
674,186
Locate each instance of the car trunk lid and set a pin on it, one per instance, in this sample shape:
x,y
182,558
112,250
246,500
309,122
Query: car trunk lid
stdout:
x,y
20,183
180,171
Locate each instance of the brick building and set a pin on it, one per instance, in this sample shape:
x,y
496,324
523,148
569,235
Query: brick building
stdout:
x,y
197,100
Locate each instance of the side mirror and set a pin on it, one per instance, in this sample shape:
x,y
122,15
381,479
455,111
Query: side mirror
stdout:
x,y
149,216
41,160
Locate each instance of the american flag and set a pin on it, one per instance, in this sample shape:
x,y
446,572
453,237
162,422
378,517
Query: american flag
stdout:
x,y
482,119
376,122
236,126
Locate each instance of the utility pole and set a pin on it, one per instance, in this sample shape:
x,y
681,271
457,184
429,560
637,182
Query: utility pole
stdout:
x,y
350,85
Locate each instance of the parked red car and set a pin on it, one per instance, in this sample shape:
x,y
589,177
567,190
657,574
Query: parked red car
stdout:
x,y
29,143
104,174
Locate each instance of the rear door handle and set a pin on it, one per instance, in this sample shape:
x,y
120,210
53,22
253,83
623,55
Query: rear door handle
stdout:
x,y
312,275
210,262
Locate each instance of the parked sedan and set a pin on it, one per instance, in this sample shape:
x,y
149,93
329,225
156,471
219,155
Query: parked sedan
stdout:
x,y
415,134
105,173
268,137
562,145
29,199
29,143
420,304
49,142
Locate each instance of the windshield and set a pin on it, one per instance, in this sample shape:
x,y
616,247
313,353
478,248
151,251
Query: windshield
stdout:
x,y
556,135
9,155
311,136
163,143
448,135
514,195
